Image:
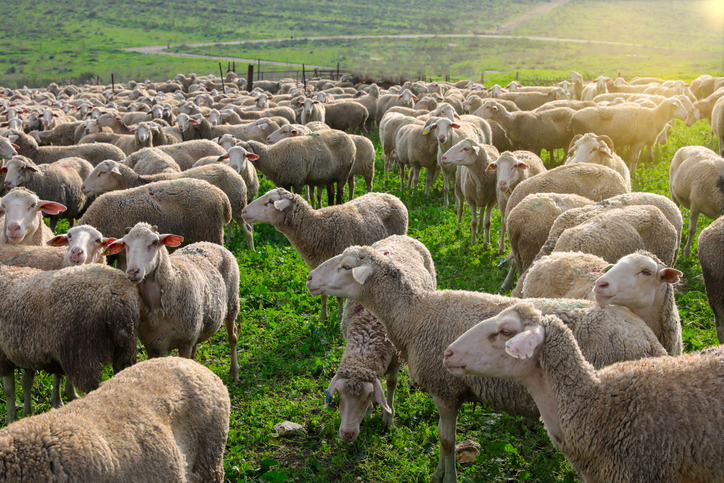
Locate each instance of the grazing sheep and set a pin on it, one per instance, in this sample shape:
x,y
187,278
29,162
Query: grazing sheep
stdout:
x,y
105,310
590,148
159,420
318,235
93,153
317,159
598,418
60,181
186,296
191,207
528,225
695,182
185,154
474,183
711,241
23,220
112,176
369,355
422,323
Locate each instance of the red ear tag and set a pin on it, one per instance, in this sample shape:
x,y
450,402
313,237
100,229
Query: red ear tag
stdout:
x,y
387,253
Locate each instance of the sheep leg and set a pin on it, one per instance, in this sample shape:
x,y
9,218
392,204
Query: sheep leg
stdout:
x,y
474,221
55,400
53,222
460,212
230,232
445,472
391,386
445,188
369,182
429,180
693,219
501,246
350,187
488,213
232,336
28,379
323,316
508,282
633,156
70,390
248,232
319,198
186,351
330,194
9,391
340,192
403,175
71,222
340,307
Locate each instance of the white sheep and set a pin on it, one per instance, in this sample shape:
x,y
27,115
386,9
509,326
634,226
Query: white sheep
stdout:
x,y
23,220
590,148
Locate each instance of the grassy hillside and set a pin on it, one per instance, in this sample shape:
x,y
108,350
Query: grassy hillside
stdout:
x,y
51,41
288,357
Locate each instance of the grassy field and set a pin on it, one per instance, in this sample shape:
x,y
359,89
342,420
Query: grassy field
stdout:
x,y
288,357
49,42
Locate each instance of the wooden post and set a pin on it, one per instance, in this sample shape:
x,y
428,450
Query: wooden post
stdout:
x,y
304,79
516,76
221,73
258,68
482,78
113,83
250,77
337,70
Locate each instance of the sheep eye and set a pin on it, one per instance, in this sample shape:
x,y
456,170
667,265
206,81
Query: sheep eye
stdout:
x,y
97,241
155,243
506,332
346,267
646,272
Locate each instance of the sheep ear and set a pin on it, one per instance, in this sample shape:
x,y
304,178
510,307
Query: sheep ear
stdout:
x,y
113,248
252,156
523,345
58,241
105,242
380,396
50,207
492,166
171,240
361,274
13,138
330,391
522,165
115,170
282,205
669,275
476,148
15,146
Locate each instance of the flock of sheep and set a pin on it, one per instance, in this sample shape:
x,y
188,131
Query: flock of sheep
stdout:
x,y
154,167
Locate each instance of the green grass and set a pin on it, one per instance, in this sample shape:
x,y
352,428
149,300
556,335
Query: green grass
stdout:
x,y
288,357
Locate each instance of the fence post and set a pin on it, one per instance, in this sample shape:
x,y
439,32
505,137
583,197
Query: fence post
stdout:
x,y
221,73
113,82
304,79
337,70
250,77
482,78
516,76
258,68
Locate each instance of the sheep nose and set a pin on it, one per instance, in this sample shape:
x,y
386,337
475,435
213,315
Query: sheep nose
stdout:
x,y
133,272
76,251
14,226
309,277
601,284
448,354
8,184
347,436
502,185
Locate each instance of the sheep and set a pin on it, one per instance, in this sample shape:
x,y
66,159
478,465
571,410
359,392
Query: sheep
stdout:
x,y
417,148
695,182
111,176
510,170
563,275
85,245
532,131
364,163
186,296
632,127
474,184
595,88
346,116
261,128
321,234
154,161
23,220
389,125
291,130
93,153
590,148
185,154
159,420
105,310
528,101
717,123
709,253
391,100
598,418
59,181
313,111
528,225
191,207
317,159
449,133
368,354
239,161
422,323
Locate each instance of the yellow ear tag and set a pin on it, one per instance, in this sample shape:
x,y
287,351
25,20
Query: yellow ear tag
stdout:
x,y
426,130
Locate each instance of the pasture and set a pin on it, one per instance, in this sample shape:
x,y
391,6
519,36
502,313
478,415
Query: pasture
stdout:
x,y
287,359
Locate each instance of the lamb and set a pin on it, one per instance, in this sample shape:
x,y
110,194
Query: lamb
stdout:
x,y
318,159
626,126
528,225
186,296
710,243
532,131
364,163
590,148
59,181
111,176
583,409
105,310
191,207
422,323
92,440
510,170
185,154
474,183
93,153
23,220
695,182
321,234
369,355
